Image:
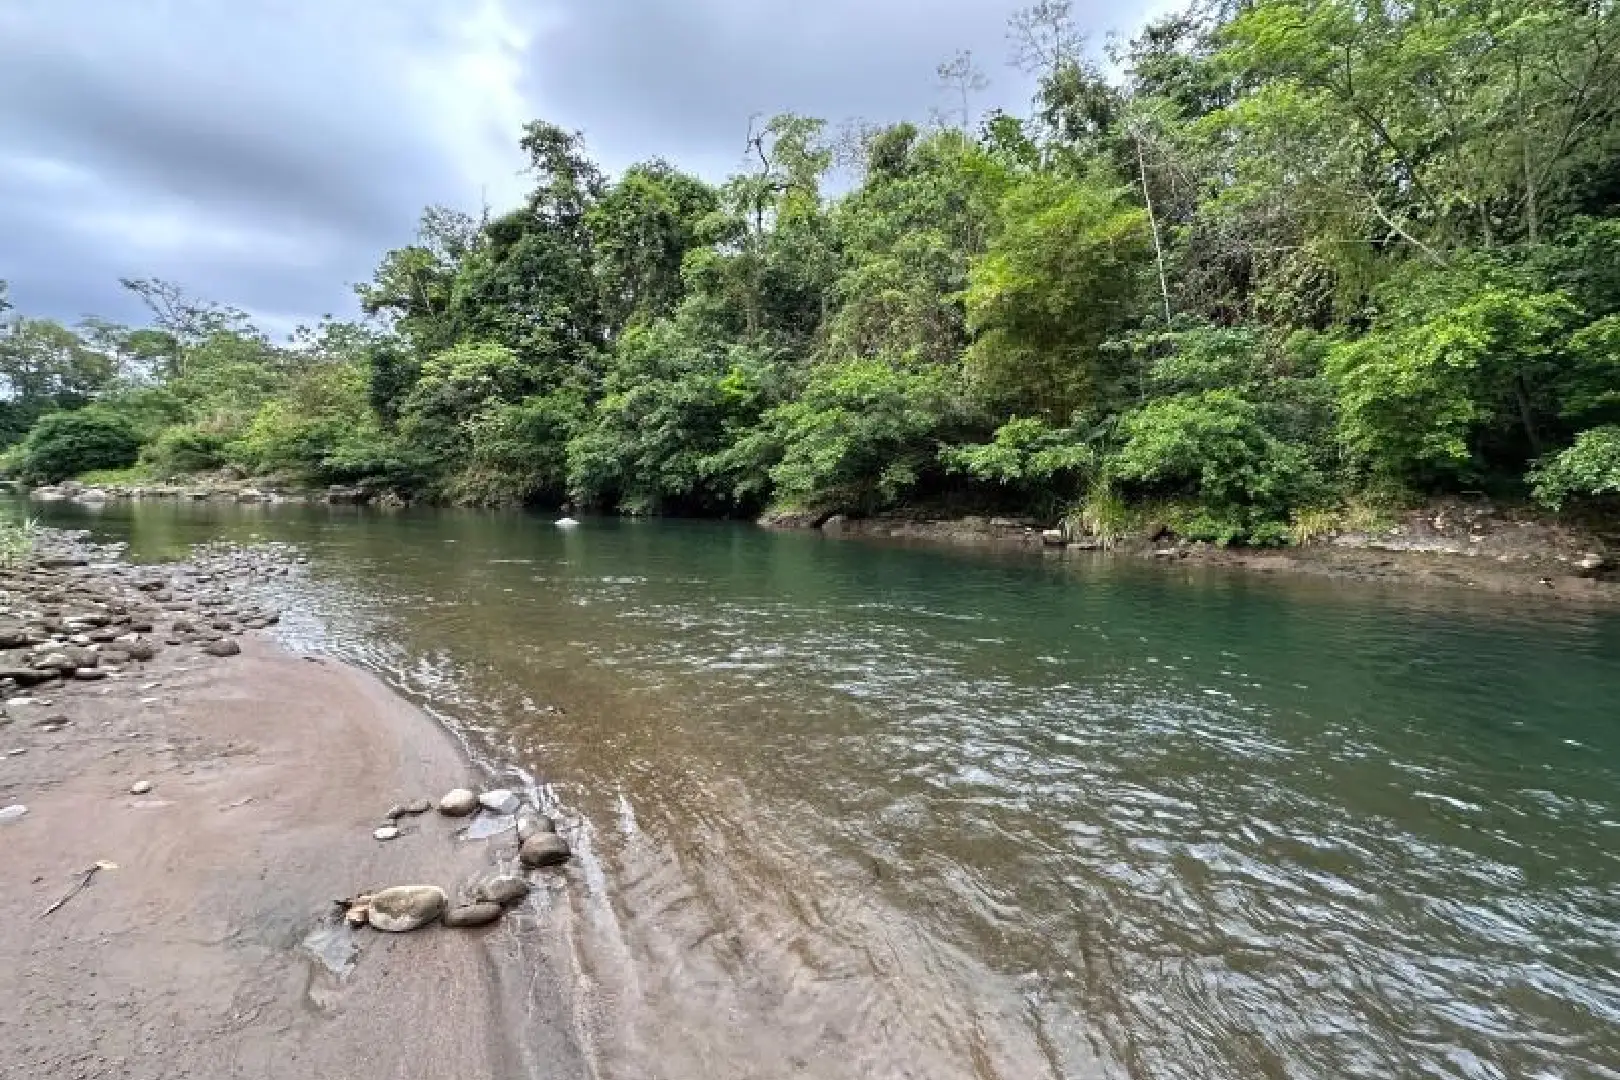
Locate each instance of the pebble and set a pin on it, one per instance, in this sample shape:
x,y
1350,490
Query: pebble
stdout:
x,y
387,832
473,915
458,803
420,806
140,787
15,812
530,824
501,801
499,889
407,907
544,849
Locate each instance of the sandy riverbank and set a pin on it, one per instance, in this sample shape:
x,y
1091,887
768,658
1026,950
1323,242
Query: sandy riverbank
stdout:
x,y
269,773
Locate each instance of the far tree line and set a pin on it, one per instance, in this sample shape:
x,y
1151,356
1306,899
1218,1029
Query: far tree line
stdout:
x,y
1299,260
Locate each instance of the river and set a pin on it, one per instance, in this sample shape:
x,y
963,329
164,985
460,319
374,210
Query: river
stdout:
x,y
846,810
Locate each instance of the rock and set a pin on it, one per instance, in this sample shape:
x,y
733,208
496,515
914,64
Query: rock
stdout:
x,y
12,813
406,907
24,676
501,801
473,915
222,647
1167,553
387,832
116,656
530,824
1052,537
834,524
358,914
544,849
141,650
458,803
140,787
420,806
499,889
15,637
90,674
1155,531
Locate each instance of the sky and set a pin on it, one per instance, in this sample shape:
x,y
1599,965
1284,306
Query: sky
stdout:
x,y
266,153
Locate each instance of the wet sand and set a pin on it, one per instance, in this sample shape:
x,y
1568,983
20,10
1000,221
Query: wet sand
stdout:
x,y
270,772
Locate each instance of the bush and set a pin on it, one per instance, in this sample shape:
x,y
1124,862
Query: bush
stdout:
x,y
65,444
185,449
1589,469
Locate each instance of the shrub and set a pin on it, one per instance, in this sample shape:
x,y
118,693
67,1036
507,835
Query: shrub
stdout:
x,y
65,444
186,449
1589,469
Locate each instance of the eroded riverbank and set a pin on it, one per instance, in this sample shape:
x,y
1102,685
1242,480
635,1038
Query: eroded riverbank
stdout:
x,y
226,793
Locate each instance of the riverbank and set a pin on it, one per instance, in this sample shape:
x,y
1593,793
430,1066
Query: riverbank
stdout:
x,y
261,777
1453,544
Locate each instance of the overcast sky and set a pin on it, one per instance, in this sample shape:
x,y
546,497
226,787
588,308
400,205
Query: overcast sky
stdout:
x,y
265,152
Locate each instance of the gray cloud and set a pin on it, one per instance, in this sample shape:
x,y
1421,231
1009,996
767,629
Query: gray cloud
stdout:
x,y
266,153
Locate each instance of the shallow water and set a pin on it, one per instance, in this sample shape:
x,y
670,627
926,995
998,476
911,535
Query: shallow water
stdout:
x,y
860,811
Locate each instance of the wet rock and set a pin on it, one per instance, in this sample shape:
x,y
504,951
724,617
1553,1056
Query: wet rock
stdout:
x,y
387,832
406,907
140,787
530,823
420,806
501,801
222,647
472,915
499,889
458,803
544,849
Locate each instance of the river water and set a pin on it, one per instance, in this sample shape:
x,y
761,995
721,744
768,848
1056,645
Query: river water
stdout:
x,y
846,810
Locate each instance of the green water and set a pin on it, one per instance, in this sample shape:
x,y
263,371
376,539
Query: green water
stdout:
x,y
846,810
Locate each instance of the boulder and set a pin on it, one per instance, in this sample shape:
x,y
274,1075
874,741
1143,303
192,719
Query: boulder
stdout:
x,y
472,915
544,849
499,889
458,803
501,801
406,907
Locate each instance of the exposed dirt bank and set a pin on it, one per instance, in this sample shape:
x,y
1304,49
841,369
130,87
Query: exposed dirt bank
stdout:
x,y
1451,545
183,957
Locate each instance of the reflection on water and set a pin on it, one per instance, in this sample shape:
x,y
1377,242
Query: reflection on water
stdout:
x,y
854,811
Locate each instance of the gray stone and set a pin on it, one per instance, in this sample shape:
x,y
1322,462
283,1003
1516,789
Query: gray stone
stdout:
x,y
54,661
420,806
472,915
387,832
499,889
501,801
222,647
530,823
544,849
406,907
458,803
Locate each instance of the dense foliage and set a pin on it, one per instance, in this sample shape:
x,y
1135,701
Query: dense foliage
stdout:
x,y
1297,251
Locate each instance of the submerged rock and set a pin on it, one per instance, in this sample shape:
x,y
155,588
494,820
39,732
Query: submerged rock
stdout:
x,y
501,801
406,907
531,823
458,803
544,849
473,915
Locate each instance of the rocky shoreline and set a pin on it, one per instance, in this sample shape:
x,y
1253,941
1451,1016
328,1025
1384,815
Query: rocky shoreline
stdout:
x,y
180,803
1455,544
209,490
